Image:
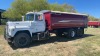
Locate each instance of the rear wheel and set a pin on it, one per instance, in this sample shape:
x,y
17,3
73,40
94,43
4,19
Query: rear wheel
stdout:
x,y
71,33
21,40
80,32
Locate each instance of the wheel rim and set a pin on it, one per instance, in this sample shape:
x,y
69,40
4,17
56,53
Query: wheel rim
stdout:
x,y
22,41
73,34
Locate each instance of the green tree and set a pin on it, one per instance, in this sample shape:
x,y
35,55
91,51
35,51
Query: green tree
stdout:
x,y
19,8
68,8
39,5
91,18
56,7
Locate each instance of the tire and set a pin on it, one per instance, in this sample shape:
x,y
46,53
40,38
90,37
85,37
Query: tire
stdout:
x,y
71,33
10,43
21,40
80,32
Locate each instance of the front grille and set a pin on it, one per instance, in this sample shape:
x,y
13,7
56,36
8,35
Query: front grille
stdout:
x,y
6,29
5,33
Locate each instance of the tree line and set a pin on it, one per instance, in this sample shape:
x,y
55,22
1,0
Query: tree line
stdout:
x,y
92,18
21,7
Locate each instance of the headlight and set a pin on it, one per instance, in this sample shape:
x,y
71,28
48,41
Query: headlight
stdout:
x,y
12,29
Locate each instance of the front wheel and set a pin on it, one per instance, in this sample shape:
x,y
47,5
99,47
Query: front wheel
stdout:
x,y
21,40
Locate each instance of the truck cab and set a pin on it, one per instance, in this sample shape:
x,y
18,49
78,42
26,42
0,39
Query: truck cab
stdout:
x,y
37,22
33,27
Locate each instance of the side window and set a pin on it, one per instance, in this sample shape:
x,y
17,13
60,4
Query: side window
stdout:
x,y
38,17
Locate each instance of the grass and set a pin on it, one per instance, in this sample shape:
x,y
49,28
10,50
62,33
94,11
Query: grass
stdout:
x,y
88,45
2,29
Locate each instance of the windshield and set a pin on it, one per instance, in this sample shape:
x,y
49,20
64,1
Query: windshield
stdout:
x,y
29,17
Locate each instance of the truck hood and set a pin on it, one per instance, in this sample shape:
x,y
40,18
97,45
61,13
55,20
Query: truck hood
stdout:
x,y
19,24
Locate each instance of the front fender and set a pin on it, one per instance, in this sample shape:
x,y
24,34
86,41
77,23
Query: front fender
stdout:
x,y
16,31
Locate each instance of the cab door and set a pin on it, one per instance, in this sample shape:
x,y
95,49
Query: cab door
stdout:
x,y
39,23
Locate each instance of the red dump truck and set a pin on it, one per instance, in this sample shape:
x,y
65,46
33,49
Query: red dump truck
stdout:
x,y
39,25
94,24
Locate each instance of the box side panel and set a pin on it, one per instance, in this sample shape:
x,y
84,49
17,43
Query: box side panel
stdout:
x,y
67,20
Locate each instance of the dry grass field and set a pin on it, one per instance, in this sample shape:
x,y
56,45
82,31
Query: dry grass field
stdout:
x,y
88,45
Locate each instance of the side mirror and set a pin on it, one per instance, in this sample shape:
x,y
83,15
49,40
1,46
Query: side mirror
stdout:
x,y
22,18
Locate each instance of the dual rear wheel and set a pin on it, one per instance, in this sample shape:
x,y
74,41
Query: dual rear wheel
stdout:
x,y
71,33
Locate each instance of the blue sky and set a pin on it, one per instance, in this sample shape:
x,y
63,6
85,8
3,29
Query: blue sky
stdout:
x,y
91,7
